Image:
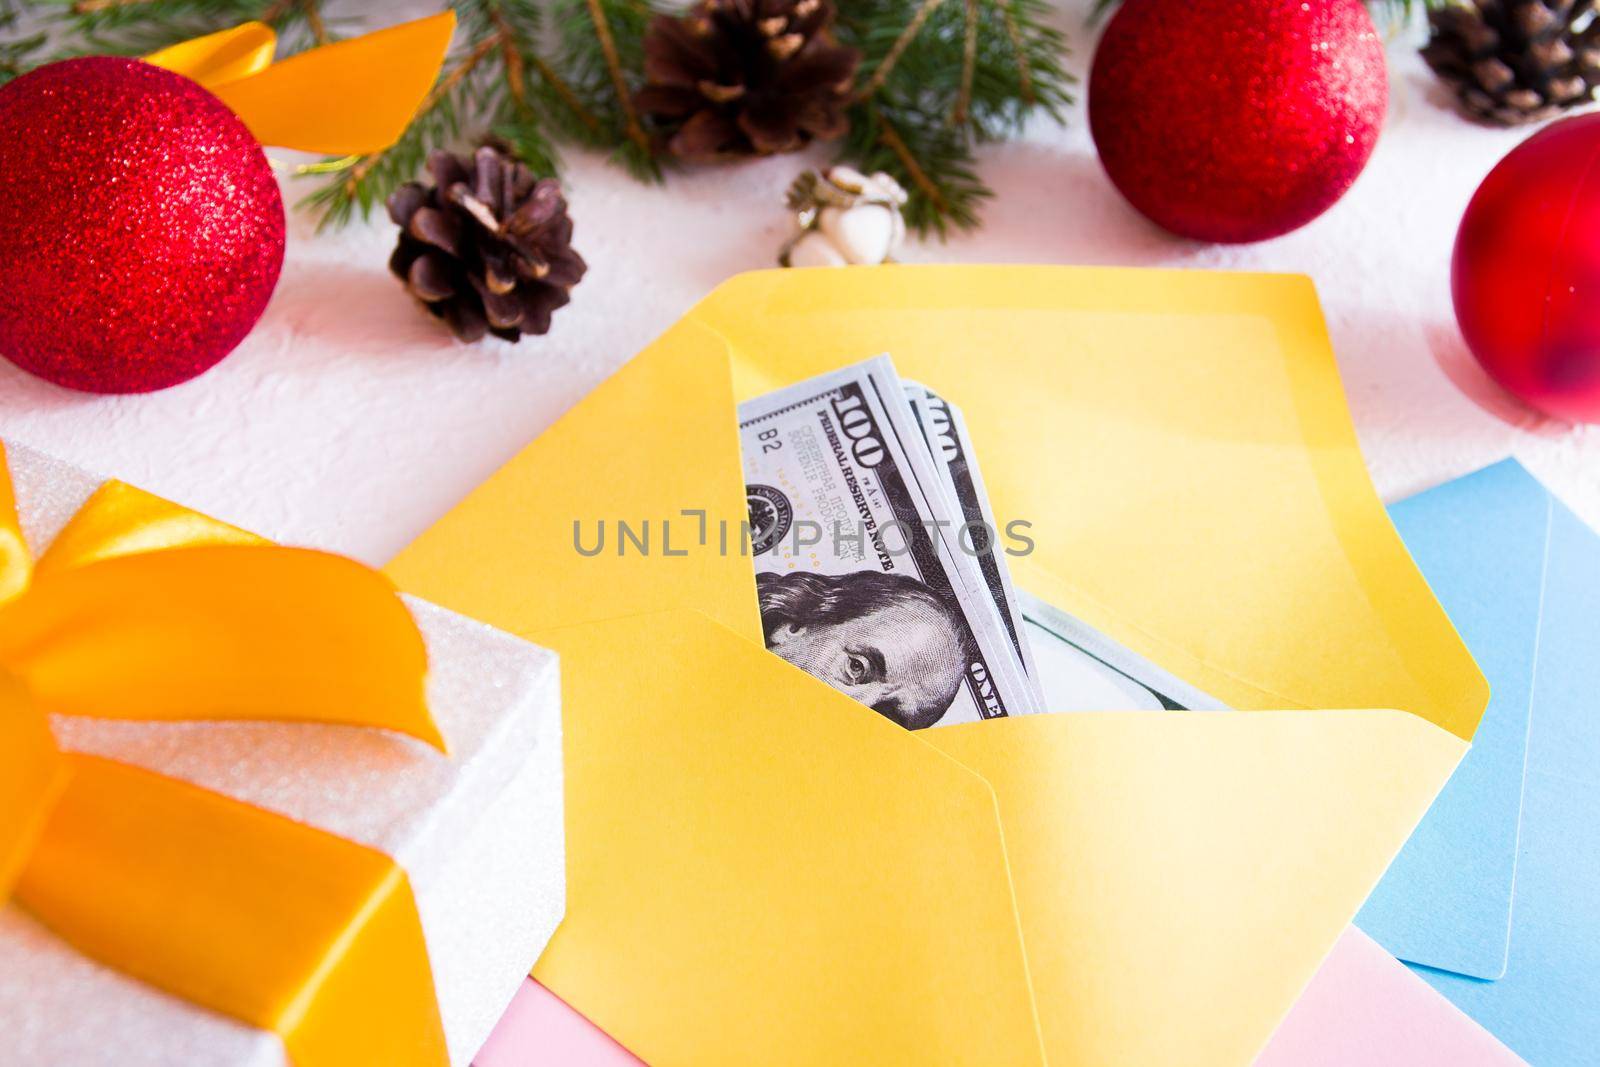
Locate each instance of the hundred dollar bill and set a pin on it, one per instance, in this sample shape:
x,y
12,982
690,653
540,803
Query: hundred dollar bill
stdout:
x,y
857,582
944,429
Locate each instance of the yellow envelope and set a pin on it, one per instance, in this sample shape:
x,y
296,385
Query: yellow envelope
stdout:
x,y
761,870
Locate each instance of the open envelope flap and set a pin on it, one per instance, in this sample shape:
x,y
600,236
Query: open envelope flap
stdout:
x,y
655,444
782,877
1180,876
1180,444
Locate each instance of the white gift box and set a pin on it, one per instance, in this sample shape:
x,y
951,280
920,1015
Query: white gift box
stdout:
x,y
479,833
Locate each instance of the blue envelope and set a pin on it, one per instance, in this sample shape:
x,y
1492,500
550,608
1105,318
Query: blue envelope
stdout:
x,y
1498,892
1446,900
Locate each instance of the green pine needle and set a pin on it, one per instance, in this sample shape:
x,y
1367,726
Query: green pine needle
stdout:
x,y
17,54
511,79
134,27
923,114
933,160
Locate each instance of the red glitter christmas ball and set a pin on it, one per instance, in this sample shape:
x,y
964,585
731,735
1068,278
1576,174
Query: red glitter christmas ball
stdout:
x,y
1526,270
1237,120
141,229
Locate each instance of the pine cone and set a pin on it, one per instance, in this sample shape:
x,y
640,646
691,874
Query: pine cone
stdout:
x,y
488,248
746,77
1515,61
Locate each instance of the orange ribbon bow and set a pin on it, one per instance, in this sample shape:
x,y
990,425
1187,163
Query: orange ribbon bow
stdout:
x,y
141,609
349,98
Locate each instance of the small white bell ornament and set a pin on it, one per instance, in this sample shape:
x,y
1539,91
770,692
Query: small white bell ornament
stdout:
x,y
844,218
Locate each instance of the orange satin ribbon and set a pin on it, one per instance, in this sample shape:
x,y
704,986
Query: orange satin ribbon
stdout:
x,y
141,609
350,98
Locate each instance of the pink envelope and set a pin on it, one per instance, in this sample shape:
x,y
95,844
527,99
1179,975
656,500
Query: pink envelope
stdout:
x,y
1364,1006
540,1030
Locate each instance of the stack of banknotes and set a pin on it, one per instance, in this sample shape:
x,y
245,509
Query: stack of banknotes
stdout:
x,y
879,565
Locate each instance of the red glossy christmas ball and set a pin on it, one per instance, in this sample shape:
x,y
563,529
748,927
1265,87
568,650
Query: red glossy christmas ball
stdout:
x,y
1237,120
1526,271
141,229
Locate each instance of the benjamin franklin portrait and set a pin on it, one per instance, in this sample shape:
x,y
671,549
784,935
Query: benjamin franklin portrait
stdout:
x,y
887,640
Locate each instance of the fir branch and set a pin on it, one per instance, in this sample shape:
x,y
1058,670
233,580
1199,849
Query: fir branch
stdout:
x,y
969,60
608,45
501,98
1014,34
932,159
319,29
938,79
511,55
564,93
134,27
17,56
1022,69
92,7
509,80
599,60
919,177
885,66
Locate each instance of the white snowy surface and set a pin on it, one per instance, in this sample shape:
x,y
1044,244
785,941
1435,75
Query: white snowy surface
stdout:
x,y
349,420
